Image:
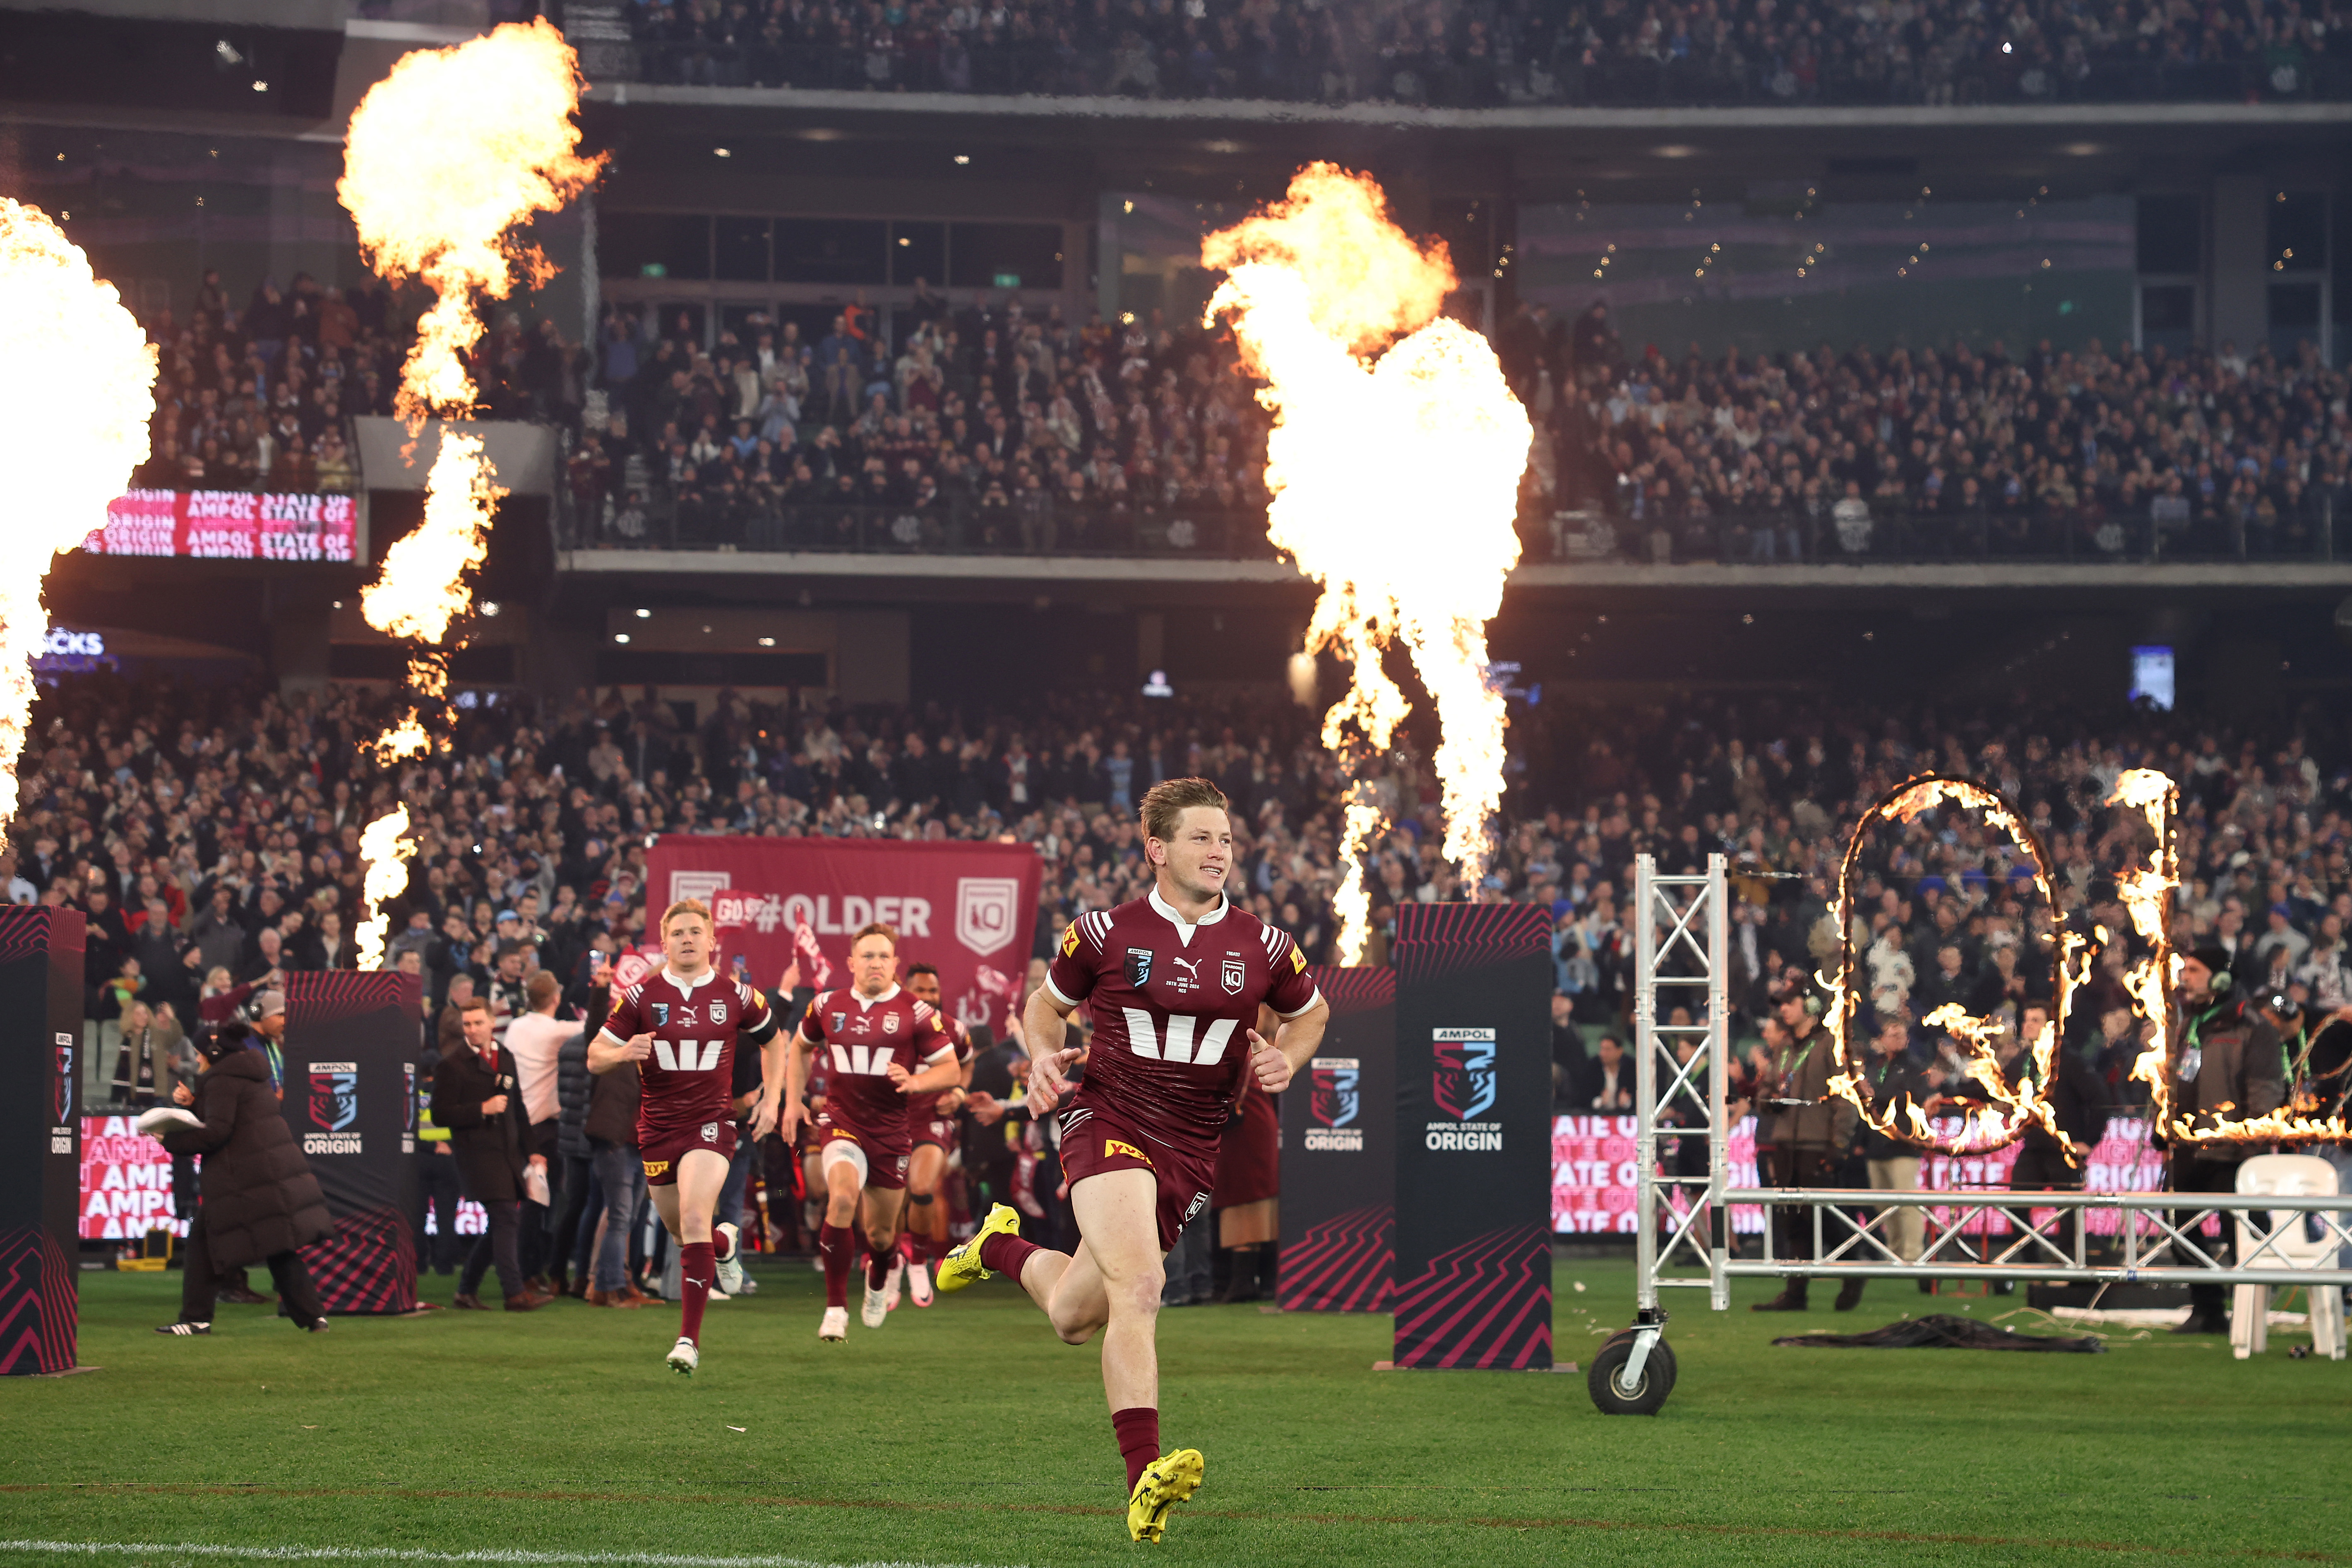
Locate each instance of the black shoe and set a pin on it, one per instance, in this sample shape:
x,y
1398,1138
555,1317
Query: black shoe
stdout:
x,y
1926,1286
1850,1295
2199,1323
318,1326
467,1301
1791,1300
183,1330
241,1297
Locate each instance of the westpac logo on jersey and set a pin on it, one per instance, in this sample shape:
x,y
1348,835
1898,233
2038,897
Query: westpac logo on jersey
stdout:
x,y
871,1060
688,1055
1183,1042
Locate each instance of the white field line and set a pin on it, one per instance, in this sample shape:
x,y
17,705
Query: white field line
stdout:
x,y
504,1558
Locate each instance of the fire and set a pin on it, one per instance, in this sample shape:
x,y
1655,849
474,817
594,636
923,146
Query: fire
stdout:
x,y
384,848
77,387
1353,902
443,159
1394,464
2007,1109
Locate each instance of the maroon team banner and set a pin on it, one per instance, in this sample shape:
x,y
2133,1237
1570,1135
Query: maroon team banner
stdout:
x,y
229,525
970,910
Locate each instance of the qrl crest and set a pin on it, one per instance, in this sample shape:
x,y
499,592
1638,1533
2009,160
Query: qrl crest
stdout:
x,y
61,1097
334,1094
1234,975
1461,1073
717,1014
1332,1099
984,911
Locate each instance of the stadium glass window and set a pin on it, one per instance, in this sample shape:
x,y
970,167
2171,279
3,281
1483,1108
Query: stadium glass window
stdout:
x,y
2167,316
653,245
1005,256
832,250
2170,234
918,251
2296,313
741,251
2298,231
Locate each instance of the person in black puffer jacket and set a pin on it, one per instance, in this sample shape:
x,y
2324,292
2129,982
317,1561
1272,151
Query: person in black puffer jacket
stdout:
x,y
260,1201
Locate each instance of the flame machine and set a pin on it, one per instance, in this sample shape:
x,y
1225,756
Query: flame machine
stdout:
x,y
1682,954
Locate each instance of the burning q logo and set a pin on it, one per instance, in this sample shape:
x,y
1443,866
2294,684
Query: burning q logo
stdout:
x,y
1333,1103
1461,1084
334,1107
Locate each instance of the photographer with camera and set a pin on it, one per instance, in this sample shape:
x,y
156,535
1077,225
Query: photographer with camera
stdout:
x,y
2229,1062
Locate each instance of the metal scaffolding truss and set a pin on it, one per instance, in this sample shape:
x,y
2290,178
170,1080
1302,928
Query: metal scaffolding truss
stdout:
x,y
1681,950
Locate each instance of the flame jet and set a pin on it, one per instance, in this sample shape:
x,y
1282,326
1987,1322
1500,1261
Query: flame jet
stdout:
x,y
1394,465
77,388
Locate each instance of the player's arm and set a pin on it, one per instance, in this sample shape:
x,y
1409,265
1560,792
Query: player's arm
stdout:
x,y
790,1110
940,1070
774,1046
1297,1002
1044,1022
620,1040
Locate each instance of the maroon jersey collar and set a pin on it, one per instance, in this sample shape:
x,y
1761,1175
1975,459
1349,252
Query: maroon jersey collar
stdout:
x,y
1184,928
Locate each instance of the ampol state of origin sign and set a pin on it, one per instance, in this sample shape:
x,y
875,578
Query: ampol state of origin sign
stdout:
x,y
230,525
970,910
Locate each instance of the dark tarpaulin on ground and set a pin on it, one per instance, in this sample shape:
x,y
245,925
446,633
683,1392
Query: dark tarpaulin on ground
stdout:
x,y
1942,1331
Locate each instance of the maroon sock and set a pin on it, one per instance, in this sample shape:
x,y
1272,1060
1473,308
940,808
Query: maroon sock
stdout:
x,y
832,1246
1006,1254
721,1249
878,1267
1138,1440
695,1268
938,1247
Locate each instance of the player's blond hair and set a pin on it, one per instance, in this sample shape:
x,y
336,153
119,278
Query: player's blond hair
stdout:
x,y
876,929
685,907
1165,803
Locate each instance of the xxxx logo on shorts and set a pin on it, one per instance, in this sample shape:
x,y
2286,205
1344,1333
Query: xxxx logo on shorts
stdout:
x,y
1113,1146
657,1167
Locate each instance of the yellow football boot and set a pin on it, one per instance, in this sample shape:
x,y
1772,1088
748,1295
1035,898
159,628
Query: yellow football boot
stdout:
x,y
1165,1482
961,1267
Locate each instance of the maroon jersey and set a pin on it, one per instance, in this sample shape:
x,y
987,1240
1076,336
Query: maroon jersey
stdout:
x,y
859,1037
923,1107
695,1029
1172,1008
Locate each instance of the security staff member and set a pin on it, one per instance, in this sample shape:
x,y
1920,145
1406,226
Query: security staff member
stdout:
x,y
2228,1056
1805,1135
2078,1103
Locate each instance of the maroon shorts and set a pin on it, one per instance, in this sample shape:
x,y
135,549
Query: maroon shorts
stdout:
x,y
938,1132
885,1161
1094,1142
661,1151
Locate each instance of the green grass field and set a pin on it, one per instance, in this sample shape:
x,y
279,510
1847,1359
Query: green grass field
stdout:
x,y
967,1435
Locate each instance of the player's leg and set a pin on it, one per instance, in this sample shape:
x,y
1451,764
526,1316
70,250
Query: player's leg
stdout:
x,y
694,1198
1119,1213
883,1206
919,1238
844,1166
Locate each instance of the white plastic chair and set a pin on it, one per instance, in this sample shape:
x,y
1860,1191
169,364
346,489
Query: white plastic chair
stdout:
x,y
2286,1176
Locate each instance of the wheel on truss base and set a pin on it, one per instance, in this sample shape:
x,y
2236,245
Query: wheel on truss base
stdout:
x,y
1648,1395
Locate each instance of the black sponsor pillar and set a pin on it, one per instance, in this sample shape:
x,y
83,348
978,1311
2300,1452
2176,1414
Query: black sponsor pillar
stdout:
x,y
351,1099
1338,1157
40,1136
1473,1136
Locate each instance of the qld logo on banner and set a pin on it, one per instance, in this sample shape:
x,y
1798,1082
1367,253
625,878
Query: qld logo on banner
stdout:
x,y
1462,1085
1333,1104
984,911
334,1108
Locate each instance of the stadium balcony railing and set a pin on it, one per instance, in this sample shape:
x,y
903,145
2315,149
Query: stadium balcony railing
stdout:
x,y
1007,70
2314,533
880,529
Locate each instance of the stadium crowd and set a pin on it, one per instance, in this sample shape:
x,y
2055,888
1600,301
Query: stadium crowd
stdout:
x,y
261,396
1496,52
980,427
212,835
1945,451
